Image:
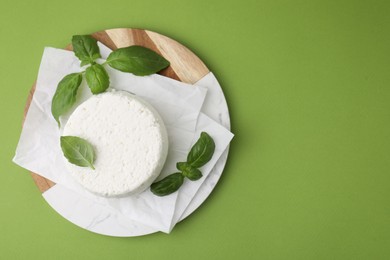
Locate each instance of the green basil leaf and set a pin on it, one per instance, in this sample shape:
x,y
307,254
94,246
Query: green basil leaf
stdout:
x,y
85,48
188,171
192,173
78,151
65,95
97,78
181,166
138,60
202,151
168,185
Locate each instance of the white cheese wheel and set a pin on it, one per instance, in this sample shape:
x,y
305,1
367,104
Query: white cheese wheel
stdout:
x,y
129,139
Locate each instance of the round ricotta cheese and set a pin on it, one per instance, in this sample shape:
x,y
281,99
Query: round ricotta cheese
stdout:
x,y
129,139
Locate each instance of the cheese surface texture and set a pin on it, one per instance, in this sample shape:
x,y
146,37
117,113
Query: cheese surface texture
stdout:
x,y
129,139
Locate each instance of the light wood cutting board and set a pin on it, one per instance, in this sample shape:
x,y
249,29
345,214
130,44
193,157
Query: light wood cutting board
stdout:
x,y
185,65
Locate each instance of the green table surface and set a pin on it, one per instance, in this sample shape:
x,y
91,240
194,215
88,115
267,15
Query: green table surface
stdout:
x,y
307,83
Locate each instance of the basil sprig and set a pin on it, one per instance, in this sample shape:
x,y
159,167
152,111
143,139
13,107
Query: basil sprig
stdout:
x,y
138,60
78,151
201,153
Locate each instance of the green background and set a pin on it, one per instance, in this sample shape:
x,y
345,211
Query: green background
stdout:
x,y
307,84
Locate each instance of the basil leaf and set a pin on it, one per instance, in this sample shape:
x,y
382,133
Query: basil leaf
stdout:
x,y
85,48
78,151
138,60
65,95
181,166
188,171
192,173
168,185
202,151
97,78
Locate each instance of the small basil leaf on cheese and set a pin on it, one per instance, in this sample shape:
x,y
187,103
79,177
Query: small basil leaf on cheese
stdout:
x,y
202,151
168,185
138,60
85,48
78,151
192,173
97,78
65,95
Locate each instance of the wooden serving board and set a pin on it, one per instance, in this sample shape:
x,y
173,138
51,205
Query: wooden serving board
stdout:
x,y
185,65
